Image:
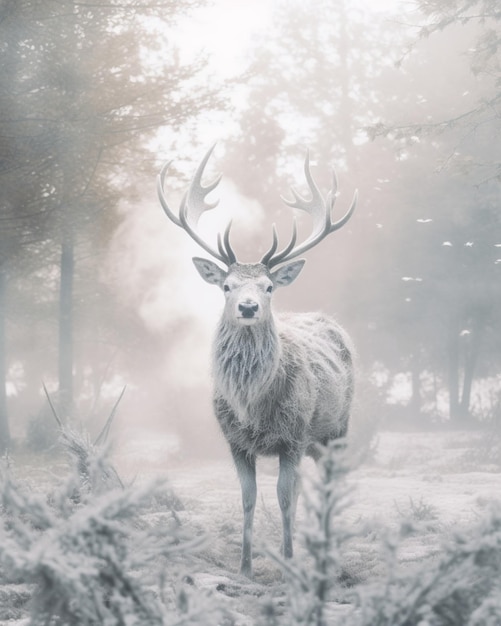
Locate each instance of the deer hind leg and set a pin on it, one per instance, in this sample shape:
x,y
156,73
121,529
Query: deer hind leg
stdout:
x,y
246,469
287,492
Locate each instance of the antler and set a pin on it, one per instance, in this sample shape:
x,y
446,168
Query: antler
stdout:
x,y
193,206
320,211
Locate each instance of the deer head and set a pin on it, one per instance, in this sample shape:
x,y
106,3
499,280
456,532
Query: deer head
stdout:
x,y
248,287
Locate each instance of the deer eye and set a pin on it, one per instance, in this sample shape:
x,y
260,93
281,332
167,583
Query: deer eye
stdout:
x,y
226,288
270,289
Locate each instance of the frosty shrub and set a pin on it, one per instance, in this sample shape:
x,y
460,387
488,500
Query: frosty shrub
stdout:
x,y
460,587
93,471
418,511
89,551
311,577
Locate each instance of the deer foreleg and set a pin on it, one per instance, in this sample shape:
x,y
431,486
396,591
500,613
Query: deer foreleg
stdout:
x,y
246,469
287,492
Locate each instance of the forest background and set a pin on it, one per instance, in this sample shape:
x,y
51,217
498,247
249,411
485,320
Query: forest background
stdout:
x,y
97,289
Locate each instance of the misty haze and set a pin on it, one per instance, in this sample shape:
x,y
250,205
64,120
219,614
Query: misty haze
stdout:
x,y
120,494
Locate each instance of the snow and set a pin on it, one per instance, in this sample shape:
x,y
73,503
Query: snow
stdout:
x,y
410,472
426,477
437,483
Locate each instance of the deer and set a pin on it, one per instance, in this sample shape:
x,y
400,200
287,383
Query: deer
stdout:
x,y
283,383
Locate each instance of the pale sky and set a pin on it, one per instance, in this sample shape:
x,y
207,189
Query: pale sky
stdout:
x,y
224,30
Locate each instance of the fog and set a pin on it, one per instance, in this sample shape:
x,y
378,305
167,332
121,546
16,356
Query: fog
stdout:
x,y
405,110
119,499
149,267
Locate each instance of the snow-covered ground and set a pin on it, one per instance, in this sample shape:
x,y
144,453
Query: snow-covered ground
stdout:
x,y
442,482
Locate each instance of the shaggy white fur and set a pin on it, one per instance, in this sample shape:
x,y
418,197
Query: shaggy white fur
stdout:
x,y
280,386
283,384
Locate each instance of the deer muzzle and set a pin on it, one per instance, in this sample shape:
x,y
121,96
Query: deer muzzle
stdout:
x,y
248,312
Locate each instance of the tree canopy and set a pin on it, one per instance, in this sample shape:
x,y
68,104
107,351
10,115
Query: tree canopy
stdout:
x,y
404,106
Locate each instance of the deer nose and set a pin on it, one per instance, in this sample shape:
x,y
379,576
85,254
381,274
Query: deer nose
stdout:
x,y
247,309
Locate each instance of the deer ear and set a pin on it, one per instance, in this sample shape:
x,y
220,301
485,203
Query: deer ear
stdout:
x,y
210,272
287,273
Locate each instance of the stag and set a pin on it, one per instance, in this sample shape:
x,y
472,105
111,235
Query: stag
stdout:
x,y
283,383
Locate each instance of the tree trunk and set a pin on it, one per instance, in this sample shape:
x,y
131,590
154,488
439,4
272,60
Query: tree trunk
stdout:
x,y
344,78
471,355
345,103
453,370
66,327
416,386
4,417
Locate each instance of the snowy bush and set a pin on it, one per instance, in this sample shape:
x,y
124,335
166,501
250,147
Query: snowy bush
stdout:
x,y
89,551
461,586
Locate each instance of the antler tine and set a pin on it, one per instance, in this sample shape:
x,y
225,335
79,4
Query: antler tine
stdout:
x,y
231,255
197,192
316,204
193,205
341,222
224,246
331,196
320,211
274,245
271,259
161,196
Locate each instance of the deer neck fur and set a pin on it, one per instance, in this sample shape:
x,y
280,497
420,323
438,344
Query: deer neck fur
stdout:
x,y
246,361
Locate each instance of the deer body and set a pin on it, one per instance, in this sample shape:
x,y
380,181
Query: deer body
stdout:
x,y
283,384
285,387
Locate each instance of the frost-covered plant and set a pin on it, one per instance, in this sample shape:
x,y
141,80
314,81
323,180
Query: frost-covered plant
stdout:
x,y
460,587
419,511
93,469
310,577
89,551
